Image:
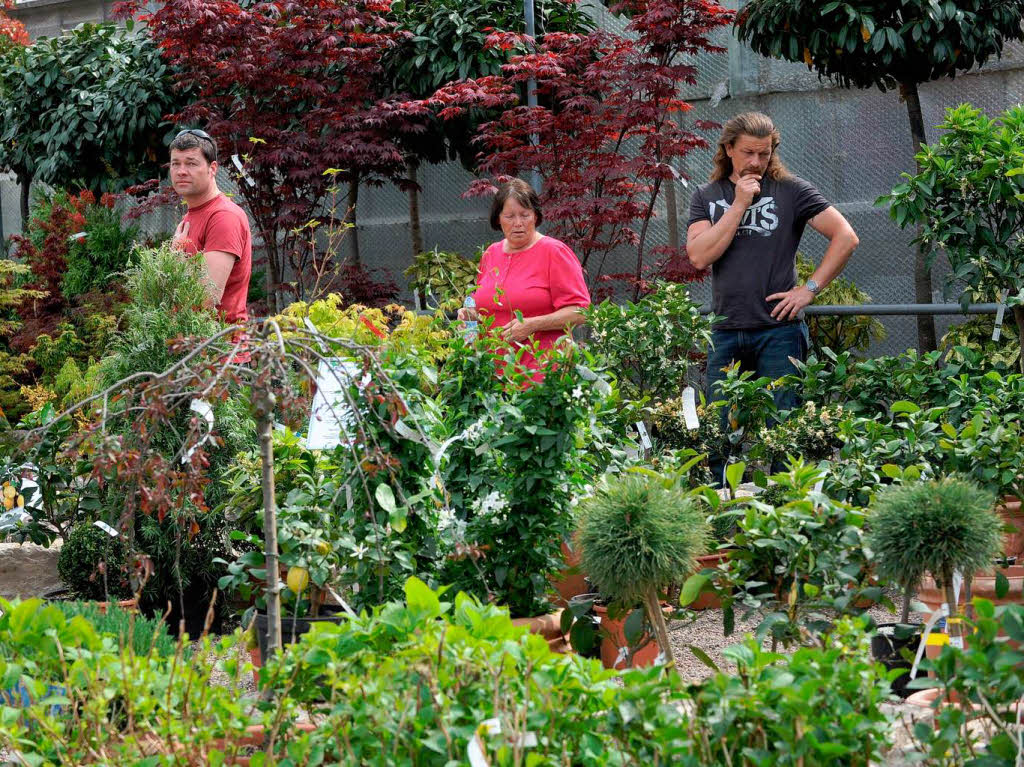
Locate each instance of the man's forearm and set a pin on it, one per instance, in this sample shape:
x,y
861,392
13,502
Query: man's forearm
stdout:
x,y
839,250
709,246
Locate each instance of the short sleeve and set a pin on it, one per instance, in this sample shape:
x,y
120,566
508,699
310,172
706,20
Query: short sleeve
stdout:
x,y
565,278
698,210
225,233
808,202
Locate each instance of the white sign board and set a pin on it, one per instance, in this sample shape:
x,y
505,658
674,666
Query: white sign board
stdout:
x,y
333,417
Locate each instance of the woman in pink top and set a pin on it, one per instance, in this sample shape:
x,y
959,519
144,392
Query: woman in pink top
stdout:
x,y
527,274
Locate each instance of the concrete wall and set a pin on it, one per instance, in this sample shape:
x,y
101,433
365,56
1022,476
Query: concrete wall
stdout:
x,y
48,18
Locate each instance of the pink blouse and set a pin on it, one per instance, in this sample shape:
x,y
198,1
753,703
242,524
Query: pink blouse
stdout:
x,y
540,280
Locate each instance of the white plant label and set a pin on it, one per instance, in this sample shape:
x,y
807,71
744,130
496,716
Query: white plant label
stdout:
x,y
645,438
106,528
1000,311
690,408
241,170
819,485
332,418
205,411
957,642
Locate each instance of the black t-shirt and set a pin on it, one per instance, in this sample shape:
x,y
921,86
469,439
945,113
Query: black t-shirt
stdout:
x,y
761,259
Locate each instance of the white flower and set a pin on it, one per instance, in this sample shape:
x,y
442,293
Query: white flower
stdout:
x,y
577,393
491,505
361,551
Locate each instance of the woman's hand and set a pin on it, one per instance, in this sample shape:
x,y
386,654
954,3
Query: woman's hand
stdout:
x,y
518,330
468,314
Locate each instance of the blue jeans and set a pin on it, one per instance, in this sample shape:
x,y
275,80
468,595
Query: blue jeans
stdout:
x,y
766,351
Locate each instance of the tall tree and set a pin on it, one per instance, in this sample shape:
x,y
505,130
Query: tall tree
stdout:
x,y
889,44
605,130
291,89
446,41
83,108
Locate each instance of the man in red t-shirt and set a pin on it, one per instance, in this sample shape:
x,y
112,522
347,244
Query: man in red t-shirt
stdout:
x,y
213,225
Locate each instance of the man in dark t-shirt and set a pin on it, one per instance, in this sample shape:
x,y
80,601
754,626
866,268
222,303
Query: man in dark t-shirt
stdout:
x,y
746,224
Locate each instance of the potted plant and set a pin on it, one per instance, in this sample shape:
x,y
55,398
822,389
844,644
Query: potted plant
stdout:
x,y
939,527
638,536
94,565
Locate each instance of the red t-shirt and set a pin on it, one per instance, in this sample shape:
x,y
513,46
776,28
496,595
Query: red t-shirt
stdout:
x,y
540,280
221,225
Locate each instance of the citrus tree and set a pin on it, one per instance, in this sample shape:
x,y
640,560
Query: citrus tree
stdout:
x,y
966,201
887,44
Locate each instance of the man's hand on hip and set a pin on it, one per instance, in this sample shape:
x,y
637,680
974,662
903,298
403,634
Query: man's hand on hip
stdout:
x,y
791,303
747,188
180,235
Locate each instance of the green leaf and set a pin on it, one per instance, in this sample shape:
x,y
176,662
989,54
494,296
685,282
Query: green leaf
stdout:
x,y
1002,585
385,497
633,628
734,474
703,657
419,596
692,588
903,406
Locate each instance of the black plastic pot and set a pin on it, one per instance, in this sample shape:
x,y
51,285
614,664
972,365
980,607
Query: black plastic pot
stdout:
x,y
291,628
887,646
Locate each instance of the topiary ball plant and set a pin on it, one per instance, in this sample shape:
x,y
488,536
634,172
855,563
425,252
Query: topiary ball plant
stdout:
x,y
936,527
79,564
637,535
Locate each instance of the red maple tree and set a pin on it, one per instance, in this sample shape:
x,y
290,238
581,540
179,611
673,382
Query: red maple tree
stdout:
x,y
11,29
289,87
605,132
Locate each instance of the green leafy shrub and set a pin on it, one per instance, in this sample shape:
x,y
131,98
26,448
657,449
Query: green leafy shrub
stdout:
x,y
94,564
652,344
797,563
851,333
809,432
93,261
449,277
144,635
985,679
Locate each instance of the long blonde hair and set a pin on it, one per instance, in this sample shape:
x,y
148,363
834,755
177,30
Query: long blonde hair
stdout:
x,y
757,125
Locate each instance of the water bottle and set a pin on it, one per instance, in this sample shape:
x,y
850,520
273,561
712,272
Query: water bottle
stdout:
x,y
471,326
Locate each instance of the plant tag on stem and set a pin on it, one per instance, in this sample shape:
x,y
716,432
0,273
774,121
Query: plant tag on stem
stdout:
x,y
106,528
645,438
205,411
241,170
819,485
1000,311
690,408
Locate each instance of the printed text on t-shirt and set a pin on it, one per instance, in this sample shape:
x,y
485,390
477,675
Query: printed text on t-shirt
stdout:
x,y
760,218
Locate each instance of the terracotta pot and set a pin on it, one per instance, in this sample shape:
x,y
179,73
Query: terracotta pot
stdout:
x,y
254,737
982,585
548,626
257,661
708,600
130,605
614,637
1011,513
570,581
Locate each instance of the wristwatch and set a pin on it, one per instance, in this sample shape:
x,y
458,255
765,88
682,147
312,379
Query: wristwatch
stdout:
x,y
812,286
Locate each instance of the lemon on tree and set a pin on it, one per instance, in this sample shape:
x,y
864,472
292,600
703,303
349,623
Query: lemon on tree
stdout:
x,y
298,579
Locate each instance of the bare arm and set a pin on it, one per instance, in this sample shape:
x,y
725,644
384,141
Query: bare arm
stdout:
x,y
842,242
565,318
218,268
705,243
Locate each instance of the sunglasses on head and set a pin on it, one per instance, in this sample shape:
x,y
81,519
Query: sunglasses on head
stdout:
x,y
195,132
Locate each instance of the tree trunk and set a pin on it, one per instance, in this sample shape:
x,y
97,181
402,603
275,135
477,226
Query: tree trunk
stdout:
x,y
657,619
25,181
350,217
672,213
415,230
922,275
263,405
1018,315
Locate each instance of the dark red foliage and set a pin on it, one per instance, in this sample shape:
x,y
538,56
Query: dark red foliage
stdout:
x,y
11,30
606,128
291,89
358,284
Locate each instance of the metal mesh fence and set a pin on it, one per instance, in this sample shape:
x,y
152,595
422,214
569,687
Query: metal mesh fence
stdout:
x,y
852,144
